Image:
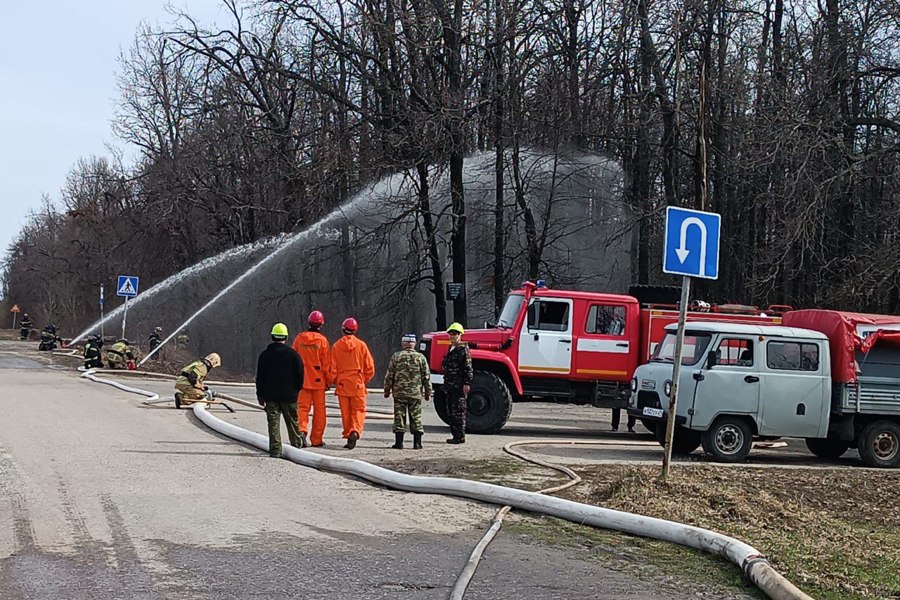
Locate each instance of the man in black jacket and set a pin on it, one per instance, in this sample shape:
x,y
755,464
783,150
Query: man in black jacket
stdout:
x,y
279,378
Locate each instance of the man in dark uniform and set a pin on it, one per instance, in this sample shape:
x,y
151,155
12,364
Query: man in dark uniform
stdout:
x,y
155,341
92,352
279,379
457,367
26,326
49,339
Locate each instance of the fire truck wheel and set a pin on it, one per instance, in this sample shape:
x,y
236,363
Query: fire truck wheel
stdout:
x,y
684,441
440,405
728,439
827,448
879,444
489,404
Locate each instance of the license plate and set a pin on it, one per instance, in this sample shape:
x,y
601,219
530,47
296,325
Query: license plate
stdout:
x,y
653,412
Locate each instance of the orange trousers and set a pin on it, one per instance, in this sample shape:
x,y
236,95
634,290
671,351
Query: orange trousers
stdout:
x,y
314,399
353,414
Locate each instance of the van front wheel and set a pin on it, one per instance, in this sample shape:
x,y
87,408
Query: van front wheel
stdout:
x,y
728,440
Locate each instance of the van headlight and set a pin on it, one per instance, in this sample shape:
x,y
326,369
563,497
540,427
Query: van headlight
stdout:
x,y
667,389
634,384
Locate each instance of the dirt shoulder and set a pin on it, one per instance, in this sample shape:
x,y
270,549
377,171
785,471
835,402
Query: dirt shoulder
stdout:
x,y
834,533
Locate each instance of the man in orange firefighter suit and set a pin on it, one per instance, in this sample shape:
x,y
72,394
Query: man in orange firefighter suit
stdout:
x,y
314,350
353,368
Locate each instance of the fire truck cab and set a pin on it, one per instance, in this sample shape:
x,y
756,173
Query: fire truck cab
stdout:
x,y
561,346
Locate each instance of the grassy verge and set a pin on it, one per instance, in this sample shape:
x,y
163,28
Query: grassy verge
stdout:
x,y
834,533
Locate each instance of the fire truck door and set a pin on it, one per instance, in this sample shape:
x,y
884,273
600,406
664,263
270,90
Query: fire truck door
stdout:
x,y
604,351
545,343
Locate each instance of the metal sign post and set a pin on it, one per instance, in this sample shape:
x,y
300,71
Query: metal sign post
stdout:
x,y
127,286
102,301
676,373
124,316
15,311
690,249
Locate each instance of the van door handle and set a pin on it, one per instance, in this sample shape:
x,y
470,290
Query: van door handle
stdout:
x,y
699,376
565,341
751,378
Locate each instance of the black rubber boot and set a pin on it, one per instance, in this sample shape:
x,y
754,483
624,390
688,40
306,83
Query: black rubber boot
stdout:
x,y
417,441
351,441
398,440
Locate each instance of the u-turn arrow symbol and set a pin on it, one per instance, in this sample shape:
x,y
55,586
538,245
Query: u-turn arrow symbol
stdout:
x,y
683,252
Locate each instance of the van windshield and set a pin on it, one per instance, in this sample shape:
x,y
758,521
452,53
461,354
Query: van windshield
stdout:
x,y
695,345
510,310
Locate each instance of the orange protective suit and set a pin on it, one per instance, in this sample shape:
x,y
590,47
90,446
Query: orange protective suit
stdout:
x,y
313,349
353,368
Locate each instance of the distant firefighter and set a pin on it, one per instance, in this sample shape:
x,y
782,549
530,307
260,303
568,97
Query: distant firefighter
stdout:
x,y
25,327
49,339
155,341
92,352
120,355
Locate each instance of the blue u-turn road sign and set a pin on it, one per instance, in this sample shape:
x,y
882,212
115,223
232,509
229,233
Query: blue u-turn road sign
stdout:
x,y
692,243
127,286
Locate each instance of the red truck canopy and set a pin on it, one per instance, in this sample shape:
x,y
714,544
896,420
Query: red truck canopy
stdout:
x,y
847,332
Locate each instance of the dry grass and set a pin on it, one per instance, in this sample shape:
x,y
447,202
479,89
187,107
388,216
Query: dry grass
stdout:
x,y
835,533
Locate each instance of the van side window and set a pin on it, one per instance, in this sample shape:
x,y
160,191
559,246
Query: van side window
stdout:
x,y
605,320
735,352
792,356
548,315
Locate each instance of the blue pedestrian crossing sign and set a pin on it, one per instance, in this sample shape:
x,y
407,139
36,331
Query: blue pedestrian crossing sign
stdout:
x,y
691,245
127,286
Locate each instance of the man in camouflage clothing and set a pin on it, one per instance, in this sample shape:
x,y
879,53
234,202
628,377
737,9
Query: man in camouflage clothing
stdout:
x,y
457,367
407,377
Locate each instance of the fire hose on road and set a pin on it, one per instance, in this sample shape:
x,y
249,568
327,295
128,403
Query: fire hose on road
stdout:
x,y
752,563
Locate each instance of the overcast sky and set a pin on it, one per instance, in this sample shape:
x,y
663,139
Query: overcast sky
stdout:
x,y
58,61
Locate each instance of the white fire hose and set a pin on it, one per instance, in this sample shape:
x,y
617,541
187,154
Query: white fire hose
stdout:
x,y
752,562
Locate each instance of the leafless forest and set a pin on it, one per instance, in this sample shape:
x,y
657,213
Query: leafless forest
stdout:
x,y
782,116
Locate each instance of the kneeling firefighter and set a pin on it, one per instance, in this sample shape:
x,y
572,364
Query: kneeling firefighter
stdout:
x,y
92,356
49,339
120,356
189,385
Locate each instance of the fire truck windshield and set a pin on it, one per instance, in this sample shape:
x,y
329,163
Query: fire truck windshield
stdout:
x,y
510,311
694,348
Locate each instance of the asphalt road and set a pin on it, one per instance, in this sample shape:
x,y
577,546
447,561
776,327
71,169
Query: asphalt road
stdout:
x,y
103,497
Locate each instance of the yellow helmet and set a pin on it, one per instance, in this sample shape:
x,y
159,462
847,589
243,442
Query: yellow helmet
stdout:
x,y
214,360
456,327
279,330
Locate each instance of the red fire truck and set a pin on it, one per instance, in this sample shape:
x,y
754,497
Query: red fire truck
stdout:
x,y
565,346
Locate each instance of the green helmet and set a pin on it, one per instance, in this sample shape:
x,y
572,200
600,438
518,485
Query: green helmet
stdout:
x,y
280,330
456,327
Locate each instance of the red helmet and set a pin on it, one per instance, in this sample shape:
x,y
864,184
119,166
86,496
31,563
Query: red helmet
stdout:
x,y
316,318
350,324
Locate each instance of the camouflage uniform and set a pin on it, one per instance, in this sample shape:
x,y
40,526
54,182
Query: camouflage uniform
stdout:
x,y
407,376
457,367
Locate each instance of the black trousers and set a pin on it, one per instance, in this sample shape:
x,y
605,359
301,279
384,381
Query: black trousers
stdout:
x,y
617,415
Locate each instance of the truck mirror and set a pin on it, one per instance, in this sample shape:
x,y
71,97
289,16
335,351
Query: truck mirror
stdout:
x,y
711,359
